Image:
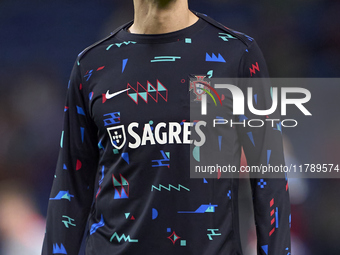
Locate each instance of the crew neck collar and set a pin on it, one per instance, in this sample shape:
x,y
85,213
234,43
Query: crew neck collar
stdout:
x,y
161,38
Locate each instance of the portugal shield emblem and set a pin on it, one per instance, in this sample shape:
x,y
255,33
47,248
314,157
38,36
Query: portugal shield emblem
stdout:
x,y
117,136
199,86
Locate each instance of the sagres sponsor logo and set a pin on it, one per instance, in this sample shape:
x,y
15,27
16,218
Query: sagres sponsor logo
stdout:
x,y
117,136
162,133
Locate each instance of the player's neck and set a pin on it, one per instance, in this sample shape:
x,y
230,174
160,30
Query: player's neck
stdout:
x,y
161,16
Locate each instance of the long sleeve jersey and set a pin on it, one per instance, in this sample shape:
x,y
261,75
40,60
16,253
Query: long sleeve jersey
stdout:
x,y
129,138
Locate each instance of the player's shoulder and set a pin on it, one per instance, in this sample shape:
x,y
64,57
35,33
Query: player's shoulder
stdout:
x,y
245,39
94,45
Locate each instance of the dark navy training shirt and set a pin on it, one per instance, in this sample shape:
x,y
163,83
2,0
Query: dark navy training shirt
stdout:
x,y
130,136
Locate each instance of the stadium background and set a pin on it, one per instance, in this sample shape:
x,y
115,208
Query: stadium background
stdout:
x,y
39,41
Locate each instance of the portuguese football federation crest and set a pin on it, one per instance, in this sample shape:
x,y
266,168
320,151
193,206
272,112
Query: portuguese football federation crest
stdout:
x,y
117,136
199,86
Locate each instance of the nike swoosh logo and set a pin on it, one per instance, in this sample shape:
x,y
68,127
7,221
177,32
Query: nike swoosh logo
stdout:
x,y
109,96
